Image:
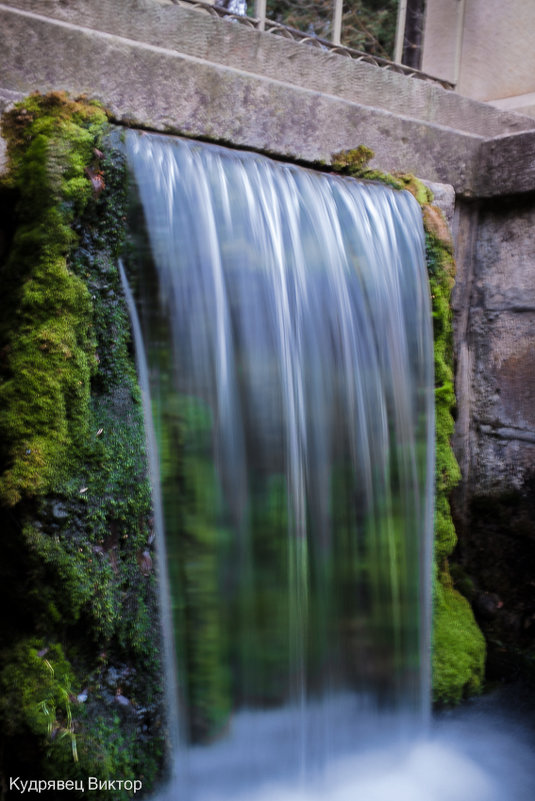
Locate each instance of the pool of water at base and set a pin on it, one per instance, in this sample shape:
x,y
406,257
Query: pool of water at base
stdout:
x,y
483,750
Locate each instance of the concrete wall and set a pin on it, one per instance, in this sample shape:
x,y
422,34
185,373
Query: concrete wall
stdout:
x,y
494,304
173,69
484,47
494,507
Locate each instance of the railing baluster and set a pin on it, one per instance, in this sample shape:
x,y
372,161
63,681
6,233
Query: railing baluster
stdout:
x,y
337,22
262,22
400,31
260,13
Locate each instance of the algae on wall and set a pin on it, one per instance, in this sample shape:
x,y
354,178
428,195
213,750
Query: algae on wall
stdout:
x,y
458,646
80,672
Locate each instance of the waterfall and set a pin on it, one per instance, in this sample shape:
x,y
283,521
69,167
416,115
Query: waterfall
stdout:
x,y
285,318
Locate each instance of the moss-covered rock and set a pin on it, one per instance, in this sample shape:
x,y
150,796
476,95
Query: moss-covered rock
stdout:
x,y
48,353
355,162
81,676
458,649
458,645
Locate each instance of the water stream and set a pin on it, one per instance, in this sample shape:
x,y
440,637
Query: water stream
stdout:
x,y
284,324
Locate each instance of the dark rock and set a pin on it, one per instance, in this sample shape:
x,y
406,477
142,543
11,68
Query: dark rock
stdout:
x,y
59,511
487,604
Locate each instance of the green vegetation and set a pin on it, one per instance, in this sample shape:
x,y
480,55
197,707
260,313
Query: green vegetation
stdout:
x,y
458,645
355,162
201,540
368,25
80,677
44,394
42,680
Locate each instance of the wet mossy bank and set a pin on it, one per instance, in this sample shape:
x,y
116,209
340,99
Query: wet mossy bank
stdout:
x,y
458,648
80,674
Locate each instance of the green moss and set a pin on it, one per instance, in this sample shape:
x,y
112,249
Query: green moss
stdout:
x,y
352,160
421,192
75,500
36,688
447,474
355,162
458,646
46,331
190,490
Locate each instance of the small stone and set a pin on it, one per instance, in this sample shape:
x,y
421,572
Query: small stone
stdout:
x,y
59,511
122,700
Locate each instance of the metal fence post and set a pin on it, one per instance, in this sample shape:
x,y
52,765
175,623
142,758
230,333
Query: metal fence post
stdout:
x,y
337,22
260,13
400,31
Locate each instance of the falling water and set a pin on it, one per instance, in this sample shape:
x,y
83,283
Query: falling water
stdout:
x,y
286,322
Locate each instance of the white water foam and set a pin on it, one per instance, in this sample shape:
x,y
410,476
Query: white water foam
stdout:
x,y
479,752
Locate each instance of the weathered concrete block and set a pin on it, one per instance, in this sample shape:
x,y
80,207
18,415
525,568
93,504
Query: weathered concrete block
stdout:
x,y
171,68
505,257
506,165
494,305
504,369
192,33
158,88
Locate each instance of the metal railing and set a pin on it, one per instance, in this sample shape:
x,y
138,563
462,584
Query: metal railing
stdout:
x,y
261,22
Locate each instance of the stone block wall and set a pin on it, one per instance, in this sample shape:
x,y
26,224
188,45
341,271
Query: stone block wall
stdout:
x,y
494,303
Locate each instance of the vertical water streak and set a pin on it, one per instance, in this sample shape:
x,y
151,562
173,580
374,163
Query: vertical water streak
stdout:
x,y
286,320
175,738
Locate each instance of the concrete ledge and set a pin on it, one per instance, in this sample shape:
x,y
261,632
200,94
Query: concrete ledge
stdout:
x,y
154,87
219,42
172,69
522,104
507,165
